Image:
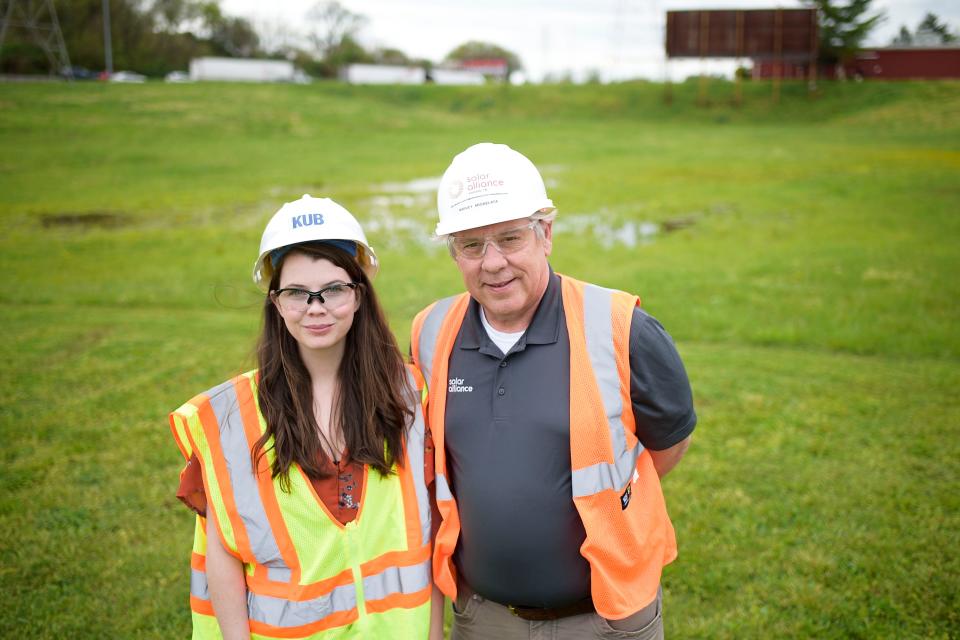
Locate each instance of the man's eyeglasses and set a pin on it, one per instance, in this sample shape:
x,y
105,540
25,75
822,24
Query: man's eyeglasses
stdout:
x,y
505,242
298,300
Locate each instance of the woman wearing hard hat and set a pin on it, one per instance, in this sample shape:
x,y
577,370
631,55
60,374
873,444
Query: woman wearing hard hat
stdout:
x,y
308,474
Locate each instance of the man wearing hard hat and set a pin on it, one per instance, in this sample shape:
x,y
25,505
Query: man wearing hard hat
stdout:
x,y
556,406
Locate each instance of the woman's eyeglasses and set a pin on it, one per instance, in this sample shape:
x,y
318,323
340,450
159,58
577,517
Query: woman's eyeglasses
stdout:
x,y
298,300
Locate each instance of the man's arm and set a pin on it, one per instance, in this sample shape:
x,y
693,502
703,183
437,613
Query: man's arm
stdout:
x,y
660,393
664,461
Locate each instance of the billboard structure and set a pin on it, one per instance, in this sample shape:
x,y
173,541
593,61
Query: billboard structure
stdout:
x,y
774,35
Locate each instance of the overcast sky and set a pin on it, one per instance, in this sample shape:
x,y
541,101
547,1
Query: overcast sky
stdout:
x,y
618,38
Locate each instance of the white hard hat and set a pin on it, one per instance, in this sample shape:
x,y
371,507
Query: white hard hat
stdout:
x,y
486,184
306,220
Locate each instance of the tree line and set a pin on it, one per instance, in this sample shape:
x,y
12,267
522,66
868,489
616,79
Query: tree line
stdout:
x,y
154,37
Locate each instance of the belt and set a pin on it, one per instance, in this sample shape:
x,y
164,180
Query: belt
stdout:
x,y
533,613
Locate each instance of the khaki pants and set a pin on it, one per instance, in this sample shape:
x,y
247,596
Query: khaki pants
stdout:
x,y
475,618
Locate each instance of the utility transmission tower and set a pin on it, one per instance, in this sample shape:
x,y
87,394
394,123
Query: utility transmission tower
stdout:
x,y
39,18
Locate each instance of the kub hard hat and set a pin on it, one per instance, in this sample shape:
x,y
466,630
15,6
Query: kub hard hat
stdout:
x,y
486,184
311,219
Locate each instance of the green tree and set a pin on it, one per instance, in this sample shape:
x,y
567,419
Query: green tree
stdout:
x,y
938,32
333,35
929,32
477,49
234,37
148,36
843,27
171,16
903,39
388,55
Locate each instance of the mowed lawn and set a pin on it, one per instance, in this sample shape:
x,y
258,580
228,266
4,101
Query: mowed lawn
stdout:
x,y
803,255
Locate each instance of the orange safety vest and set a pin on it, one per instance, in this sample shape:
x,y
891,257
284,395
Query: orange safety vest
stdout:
x,y
307,575
616,489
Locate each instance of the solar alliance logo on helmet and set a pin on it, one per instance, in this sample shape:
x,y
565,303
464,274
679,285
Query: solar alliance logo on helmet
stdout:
x,y
307,220
483,182
488,183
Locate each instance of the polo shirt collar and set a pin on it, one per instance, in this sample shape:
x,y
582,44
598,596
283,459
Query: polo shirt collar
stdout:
x,y
543,329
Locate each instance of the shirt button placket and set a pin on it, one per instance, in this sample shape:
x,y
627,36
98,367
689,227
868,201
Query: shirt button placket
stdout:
x,y
500,390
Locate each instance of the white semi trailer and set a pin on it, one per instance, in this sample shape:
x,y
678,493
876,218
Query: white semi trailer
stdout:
x,y
382,74
242,70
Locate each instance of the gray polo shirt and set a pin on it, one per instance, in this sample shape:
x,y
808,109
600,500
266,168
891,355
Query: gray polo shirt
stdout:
x,y
507,438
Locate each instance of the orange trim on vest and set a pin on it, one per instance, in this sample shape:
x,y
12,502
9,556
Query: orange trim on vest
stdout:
x,y
209,422
250,417
409,492
390,559
445,542
399,601
301,592
338,619
415,330
203,607
174,420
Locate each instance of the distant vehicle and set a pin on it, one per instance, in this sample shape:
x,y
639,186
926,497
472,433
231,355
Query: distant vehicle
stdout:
x,y
127,76
241,70
78,73
441,75
177,76
382,74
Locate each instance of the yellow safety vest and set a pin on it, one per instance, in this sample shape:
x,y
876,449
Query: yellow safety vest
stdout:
x,y
615,486
307,575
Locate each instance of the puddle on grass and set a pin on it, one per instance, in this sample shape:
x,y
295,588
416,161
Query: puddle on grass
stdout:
x,y
610,227
427,186
400,214
630,233
89,220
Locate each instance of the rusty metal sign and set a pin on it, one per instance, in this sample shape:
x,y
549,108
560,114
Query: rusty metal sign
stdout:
x,y
783,34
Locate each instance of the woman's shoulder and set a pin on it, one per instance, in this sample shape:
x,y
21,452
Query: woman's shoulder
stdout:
x,y
222,397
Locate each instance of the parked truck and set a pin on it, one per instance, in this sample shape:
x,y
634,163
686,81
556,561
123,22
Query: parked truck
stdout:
x,y
243,70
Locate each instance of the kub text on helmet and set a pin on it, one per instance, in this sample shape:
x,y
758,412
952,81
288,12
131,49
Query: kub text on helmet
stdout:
x,y
307,220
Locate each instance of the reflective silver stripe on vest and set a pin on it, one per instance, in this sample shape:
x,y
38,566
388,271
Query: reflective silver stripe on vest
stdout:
x,y
280,612
416,436
429,333
394,580
198,585
443,489
598,329
246,493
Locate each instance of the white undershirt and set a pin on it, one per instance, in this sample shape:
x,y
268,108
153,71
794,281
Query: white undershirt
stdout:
x,y
502,339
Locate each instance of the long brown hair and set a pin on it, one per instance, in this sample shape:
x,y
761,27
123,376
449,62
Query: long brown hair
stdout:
x,y
373,405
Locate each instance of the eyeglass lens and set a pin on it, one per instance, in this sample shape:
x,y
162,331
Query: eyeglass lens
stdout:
x,y
506,242
330,297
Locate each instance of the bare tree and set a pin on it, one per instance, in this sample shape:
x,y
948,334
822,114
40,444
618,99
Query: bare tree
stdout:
x,y
332,24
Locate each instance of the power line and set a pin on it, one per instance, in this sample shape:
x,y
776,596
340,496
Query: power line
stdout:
x,y
39,19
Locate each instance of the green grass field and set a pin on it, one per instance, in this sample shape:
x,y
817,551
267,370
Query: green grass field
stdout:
x,y
800,254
